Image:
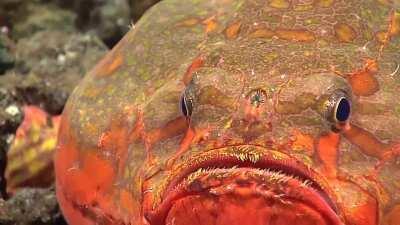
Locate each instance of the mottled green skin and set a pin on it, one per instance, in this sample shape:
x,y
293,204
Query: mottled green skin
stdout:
x,y
158,51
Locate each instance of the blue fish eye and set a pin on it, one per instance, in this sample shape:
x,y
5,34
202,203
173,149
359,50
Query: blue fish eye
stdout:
x,y
342,110
338,107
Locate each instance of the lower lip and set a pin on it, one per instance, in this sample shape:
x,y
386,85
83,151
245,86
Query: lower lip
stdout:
x,y
249,196
179,191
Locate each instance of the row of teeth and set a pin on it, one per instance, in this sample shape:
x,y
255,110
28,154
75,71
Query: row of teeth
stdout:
x,y
248,157
274,176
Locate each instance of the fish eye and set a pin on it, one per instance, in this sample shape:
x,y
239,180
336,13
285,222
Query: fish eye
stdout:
x,y
339,107
186,105
342,110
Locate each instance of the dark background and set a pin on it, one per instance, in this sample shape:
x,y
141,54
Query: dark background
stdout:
x,y
46,47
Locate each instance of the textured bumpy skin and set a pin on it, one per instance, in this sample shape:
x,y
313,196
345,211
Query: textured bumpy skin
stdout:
x,y
257,78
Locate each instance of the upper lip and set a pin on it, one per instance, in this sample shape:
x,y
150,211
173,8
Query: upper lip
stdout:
x,y
250,156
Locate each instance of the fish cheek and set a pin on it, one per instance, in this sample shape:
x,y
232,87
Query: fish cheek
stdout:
x,y
393,216
358,206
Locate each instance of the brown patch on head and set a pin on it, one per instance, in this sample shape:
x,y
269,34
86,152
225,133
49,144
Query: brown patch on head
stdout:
x,y
210,24
232,31
109,65
279,4
364,82
344,32
324,3
395,24
189,22
296,35
262,33
197,63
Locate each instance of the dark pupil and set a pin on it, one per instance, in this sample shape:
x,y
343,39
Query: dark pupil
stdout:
x,y
183,107
343,110
186,107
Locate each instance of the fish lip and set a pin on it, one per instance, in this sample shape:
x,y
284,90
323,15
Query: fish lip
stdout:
x,y
239,156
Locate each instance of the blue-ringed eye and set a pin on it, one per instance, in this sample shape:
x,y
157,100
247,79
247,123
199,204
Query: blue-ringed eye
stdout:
x,y
342,110
339,107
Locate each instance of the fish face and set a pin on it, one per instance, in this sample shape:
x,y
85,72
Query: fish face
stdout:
x,y
239,112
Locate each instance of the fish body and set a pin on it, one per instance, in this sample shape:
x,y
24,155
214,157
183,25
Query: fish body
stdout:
x,y
239,112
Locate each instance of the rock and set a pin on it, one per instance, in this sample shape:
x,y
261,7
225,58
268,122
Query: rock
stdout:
x,y
47,69
6,58
10,117
107,19
31,207
138,7
7,9
33,17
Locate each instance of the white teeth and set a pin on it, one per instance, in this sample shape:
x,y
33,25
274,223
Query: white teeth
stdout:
x,y
245,154
265,175
306,183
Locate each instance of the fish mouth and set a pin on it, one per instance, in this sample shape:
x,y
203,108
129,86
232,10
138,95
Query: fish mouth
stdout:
x,y
271,186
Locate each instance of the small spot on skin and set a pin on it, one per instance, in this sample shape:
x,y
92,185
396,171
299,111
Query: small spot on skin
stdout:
x,y
364,82
344,32
395,24
232,30
325,3
295,35
262,33
210,24
109,65
189,22
279,4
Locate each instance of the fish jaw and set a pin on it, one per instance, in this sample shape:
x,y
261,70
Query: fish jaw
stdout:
x,y
223,185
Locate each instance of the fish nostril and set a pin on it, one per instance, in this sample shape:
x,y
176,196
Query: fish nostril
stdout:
x,y
257,97
255,106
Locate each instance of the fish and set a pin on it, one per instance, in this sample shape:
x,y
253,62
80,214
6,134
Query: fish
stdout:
x,y
30,157
239,112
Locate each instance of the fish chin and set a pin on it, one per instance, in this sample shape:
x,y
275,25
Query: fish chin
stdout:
x,y
230,196
234,209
